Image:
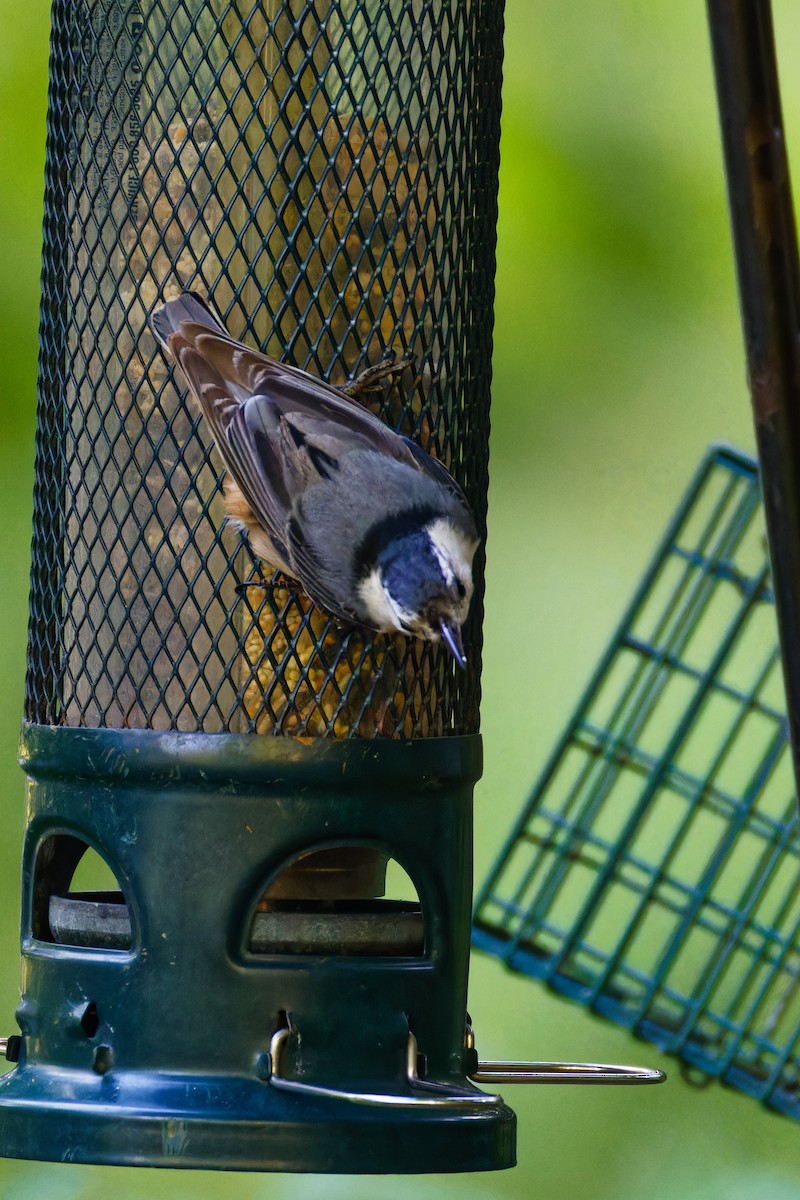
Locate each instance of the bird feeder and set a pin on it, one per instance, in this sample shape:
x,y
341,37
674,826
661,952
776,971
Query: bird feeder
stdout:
x,y
653,874
250,992
253,989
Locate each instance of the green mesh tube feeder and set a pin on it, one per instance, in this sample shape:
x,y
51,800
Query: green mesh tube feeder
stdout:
x,y
247,996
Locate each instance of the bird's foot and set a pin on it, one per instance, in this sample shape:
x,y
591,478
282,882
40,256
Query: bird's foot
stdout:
x,y
371,379
257,580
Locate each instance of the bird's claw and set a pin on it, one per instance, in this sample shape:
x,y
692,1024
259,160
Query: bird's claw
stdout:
x,y
241,589
370,379
257,580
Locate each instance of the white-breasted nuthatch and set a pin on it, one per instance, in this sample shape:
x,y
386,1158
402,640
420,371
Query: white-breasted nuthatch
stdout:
x,y
374,530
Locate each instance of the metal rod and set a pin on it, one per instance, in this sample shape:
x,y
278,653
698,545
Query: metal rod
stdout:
x,y
448,1095
765,247
439,1095
563,1072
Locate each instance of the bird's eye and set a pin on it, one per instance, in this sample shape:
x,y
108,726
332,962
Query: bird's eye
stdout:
x,y
462,591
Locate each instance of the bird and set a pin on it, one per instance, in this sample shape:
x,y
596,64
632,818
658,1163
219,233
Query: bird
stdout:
x,y
373,528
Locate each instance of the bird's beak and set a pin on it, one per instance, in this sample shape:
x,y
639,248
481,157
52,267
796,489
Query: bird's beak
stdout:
x,y
451,635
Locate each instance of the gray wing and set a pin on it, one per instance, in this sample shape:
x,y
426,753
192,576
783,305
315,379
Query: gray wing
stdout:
x,y
245,446
280,431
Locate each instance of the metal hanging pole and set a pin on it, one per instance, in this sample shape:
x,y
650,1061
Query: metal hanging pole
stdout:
x,y
765,246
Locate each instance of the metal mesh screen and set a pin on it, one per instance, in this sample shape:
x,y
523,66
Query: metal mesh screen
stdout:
x,y
326,173
654,874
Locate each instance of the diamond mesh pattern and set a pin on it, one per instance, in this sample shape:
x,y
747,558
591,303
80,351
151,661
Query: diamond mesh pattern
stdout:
x,y
326,173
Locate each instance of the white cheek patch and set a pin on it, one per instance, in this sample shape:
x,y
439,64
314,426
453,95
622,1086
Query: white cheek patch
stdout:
x,y
383,612
448,574
454,552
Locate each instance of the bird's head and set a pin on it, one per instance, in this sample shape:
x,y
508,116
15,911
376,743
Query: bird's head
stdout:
x,y
421,584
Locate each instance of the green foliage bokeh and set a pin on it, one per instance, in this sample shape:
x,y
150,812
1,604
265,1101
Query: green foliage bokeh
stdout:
x,y
617,359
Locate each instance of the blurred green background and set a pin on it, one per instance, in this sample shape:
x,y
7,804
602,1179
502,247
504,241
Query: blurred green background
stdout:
x,y
617,359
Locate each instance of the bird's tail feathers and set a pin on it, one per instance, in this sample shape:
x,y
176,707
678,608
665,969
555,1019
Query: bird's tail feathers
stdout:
x,y
186,307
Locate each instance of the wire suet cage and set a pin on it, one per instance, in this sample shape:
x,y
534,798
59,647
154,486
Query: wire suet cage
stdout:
x,y
654,874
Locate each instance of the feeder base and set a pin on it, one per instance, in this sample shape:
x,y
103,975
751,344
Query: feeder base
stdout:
x,y
148,1014
157,1121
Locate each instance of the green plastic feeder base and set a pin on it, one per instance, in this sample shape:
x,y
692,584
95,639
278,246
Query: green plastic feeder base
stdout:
x,y
157,1052
230,1124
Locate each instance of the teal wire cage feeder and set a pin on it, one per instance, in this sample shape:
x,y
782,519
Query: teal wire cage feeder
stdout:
x,y
654,873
